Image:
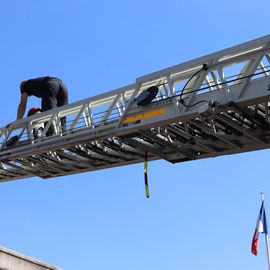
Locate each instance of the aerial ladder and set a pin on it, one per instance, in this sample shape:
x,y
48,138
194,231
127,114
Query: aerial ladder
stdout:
x,y
214,105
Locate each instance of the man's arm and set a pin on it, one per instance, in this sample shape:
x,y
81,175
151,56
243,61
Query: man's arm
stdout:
x,y
22,106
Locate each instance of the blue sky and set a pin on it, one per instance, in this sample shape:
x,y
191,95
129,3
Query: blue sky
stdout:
x,y
201,214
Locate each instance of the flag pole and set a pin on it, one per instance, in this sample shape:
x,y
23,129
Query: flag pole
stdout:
x,y
266,238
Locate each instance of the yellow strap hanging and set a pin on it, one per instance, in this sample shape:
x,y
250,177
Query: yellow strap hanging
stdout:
x,y
145,174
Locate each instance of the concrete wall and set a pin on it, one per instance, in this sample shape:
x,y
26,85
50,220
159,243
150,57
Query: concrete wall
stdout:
x,y
11,260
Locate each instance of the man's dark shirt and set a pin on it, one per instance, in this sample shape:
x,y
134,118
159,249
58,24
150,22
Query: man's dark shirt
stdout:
x,y
51,90
35,87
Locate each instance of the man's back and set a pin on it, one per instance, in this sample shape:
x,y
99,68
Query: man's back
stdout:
x,y
34,87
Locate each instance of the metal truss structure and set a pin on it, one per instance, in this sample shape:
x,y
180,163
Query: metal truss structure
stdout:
x,y
223,109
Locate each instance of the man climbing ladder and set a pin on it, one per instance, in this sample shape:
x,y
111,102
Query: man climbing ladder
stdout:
x,y
51,90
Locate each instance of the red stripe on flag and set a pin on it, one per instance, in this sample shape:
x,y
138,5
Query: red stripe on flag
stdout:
x,y
255,244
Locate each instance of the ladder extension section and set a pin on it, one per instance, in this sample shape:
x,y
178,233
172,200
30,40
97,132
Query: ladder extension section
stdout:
x,y
223,109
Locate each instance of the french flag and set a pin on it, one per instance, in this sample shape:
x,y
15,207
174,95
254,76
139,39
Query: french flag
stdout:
x,y
261,227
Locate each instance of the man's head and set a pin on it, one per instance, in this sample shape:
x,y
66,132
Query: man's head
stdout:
x,y
22,84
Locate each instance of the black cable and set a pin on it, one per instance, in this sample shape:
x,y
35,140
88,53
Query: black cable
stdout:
x,y
181,100
114,112
190,106
205,67
215,85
